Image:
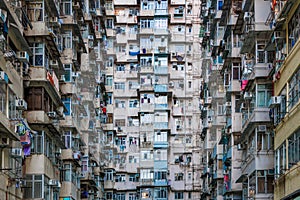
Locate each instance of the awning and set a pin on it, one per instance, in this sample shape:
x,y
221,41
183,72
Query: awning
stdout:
x,y
241,178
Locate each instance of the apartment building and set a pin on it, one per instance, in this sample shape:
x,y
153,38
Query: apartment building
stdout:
x,y
152,74
51,113
235,36
284,102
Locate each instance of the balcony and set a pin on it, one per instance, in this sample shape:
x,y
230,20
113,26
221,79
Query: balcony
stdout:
x,y
147,144
236,126
178,2
69,154
109,185
6,128
260,70
161,106
161,88
147,31
145,107
70,122
235,86
162,182
161,70
146,13
258,115
160,144
161,125
260,161
40,76
146,87
44,166
146,182
146,69
68,88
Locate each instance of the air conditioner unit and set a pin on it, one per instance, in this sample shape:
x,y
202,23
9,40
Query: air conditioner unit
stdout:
x,y
90,37
23,56
241,147
119,129
188,52
16,152
53,182
178,127
76,5
275,100
75,74
53,20
247,95
262,128
171,84
151,38
228,104
174,54
53,63
247,16
62,78
21,104
131,12
51,114
75,38
279,34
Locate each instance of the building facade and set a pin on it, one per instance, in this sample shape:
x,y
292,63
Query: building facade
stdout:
x,y
51,113
152,77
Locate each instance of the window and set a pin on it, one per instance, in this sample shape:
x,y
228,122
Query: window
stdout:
x,y
67,101
178,195
120,196
160,155
35,11
294,84
109,81
160,175
67,172
132,196
120,178
264,94
84,164
119,85
120,68
178,176
37,144
120,122
121,48
38,54
146,174
109,23
160,192
120,103
67,40
294,149
133,103
146,155
109,175
179,11
133,85
66,7
109,5
161,137
161,23
220,4
68,72
147,23
133,159
34,186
